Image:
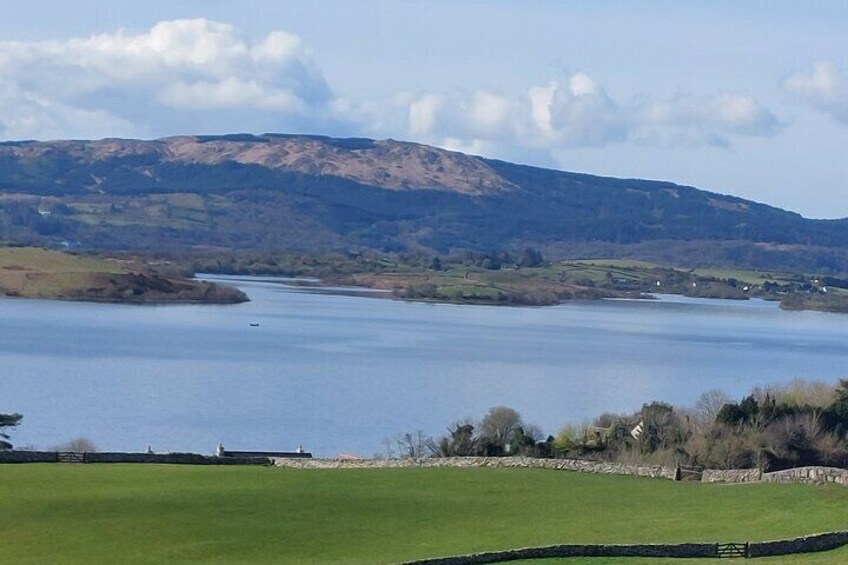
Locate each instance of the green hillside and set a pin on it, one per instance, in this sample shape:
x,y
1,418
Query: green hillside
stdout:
x,y
317,195
40,273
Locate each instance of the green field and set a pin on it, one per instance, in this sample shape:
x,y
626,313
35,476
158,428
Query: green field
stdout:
x,y
29,272
154,514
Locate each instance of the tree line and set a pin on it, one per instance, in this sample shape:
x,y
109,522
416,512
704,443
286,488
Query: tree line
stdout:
x,y
774,427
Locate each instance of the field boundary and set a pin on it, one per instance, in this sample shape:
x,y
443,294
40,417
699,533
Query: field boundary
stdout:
x,y
804,475
808,475
65,457
806,544
579,465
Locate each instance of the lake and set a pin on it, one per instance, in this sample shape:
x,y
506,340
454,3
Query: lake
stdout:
x,y
337,373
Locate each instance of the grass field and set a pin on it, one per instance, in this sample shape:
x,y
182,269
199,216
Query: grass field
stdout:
x,y
40,273
28,272
154,514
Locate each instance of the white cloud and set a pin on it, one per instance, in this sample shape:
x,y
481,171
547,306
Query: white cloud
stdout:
x,y
32,116
422,114
541,98
471,147
582,114
201,76
579,113
135,84
490,113
823,87
229,93
581,84
700,120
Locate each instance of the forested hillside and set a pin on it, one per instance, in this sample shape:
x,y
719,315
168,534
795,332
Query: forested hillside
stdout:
x,y
317,194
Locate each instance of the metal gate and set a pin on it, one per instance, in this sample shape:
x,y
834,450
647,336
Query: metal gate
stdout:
x,y
732,550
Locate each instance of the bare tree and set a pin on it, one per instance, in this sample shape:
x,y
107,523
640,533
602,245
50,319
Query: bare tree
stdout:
x,y
794,438
707,408
727,450
798,392
79,444
831,450
387,444
412,445
499,424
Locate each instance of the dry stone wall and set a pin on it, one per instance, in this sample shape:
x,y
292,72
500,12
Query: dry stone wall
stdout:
x,y
815,475
731,476
28,457
806,544
172,458
810,475
573,550
119,457
653,471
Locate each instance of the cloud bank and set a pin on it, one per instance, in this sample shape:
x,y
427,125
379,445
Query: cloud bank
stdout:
x,y
824,87
183,75
201,76
578,112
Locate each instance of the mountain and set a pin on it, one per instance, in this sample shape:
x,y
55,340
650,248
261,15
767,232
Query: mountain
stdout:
x,y
319,194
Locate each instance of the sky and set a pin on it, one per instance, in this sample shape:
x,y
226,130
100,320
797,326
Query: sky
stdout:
x,y
743,98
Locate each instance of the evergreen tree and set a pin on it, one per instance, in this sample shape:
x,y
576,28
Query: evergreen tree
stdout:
x,y
7,421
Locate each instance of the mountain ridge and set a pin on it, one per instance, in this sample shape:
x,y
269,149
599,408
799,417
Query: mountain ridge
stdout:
x,y
319,194
384,163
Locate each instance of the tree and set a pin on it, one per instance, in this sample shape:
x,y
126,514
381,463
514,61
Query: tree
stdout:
x,y
499,424
531,258
746,412
458,442
7,421
79,444
658,426
412,445
840,403
708,406
529,441
727,449
571,437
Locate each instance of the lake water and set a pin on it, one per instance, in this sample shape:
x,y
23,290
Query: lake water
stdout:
x,y
339,373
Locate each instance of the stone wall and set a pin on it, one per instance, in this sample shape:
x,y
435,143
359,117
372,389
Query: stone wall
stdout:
x,y
731,476
28,456
117,457
653,471
810,475
682,550
806,544
172,458
815,475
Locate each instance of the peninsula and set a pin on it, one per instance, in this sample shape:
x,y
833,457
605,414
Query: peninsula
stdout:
x,y
39,273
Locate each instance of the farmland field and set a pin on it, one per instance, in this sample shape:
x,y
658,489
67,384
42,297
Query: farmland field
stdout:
x,y
153,514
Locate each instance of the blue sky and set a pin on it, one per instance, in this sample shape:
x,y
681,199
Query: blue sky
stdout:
x,y
746,98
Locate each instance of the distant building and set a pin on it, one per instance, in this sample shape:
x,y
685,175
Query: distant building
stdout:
x,y
299,454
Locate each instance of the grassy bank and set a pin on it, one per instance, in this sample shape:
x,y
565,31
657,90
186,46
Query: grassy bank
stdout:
x,y
29,272
153,514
